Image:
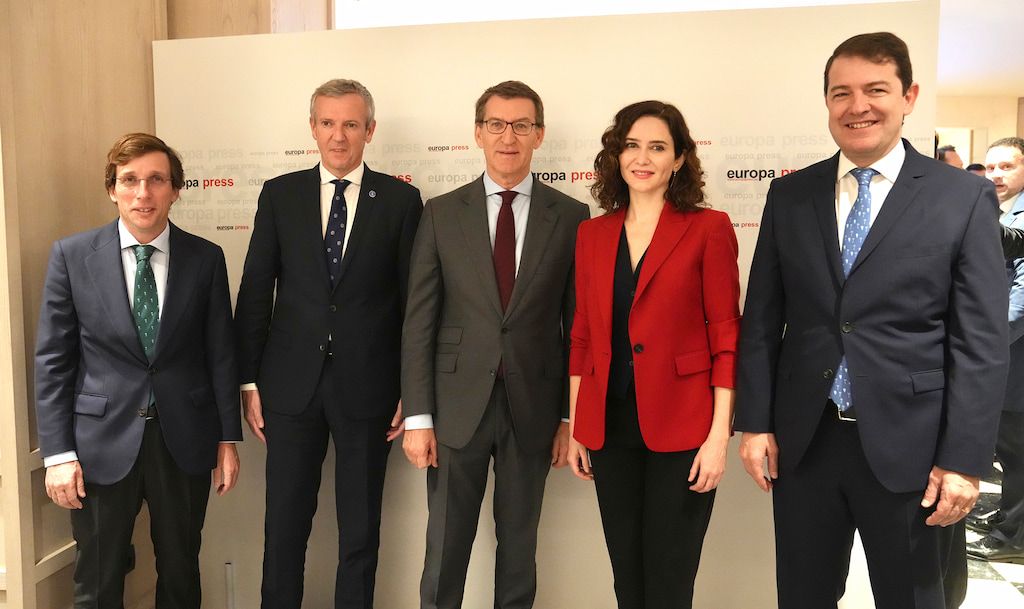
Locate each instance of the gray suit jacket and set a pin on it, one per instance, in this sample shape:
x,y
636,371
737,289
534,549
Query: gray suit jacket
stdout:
x,y
455,333
92,376
1013,401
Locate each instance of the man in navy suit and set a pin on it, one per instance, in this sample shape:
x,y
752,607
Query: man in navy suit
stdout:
x,y
873,348
319,320
136,396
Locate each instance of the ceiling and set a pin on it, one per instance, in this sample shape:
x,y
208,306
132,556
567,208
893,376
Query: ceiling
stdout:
x,y
981,47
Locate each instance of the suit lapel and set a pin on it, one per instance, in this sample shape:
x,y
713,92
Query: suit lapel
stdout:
x,y
310,224
107,274
476,232
823,199
540,223
604,255
183,268
671,227
903,193
1011,218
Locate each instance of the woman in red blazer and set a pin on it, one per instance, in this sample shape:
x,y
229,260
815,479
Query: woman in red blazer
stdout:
x,y
653,350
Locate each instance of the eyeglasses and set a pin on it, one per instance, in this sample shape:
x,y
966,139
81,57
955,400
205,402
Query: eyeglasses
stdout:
x,y
155,182
498,126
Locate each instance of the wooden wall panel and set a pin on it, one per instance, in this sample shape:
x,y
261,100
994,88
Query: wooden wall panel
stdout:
x,y
202,18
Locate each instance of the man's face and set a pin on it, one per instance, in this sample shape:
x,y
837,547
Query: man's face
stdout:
x,y
508,155
143,194
1004,165
341,131
952,158
866,106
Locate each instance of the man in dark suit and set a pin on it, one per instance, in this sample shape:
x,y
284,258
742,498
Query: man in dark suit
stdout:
x,y
484,352
1004,529
873,347
319,321
136,394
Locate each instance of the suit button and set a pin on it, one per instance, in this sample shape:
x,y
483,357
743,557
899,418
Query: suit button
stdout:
x,y
491,372
827,373
151,371
504,330
142,412
847,327
638,348
630,363
333,308
323,347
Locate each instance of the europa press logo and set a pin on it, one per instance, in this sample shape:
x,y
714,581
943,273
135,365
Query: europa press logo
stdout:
x,y
755,175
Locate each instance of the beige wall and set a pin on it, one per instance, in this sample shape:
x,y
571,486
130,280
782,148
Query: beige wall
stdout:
x,y
990,118
73,77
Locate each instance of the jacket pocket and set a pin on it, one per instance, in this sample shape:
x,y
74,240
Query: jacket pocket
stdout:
x,y
928,380
445,362
90,404
693,362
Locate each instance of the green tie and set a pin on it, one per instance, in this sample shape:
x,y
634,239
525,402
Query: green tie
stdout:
x,y
145,305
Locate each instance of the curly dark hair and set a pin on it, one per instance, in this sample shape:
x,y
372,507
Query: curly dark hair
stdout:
x,y
686,188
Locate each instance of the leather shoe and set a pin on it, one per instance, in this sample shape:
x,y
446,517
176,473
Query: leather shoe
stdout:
x,y
995,550
983,522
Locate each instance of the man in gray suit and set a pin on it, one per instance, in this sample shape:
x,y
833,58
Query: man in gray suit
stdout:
x,y
484,351
136,390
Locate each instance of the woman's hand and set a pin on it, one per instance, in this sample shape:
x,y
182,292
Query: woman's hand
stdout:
x,y
579,460
709,464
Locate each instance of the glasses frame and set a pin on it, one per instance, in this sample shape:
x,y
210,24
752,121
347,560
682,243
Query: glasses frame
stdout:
x,y
488,121
161,182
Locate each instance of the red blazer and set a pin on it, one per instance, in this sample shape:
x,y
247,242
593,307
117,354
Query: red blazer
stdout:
x,y
685,315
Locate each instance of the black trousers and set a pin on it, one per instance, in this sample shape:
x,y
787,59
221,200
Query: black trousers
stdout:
x,y
296,447
455,490
103,530
653,523
819,505
1010,452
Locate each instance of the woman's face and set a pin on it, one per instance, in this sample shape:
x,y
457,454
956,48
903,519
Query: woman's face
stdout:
x,y
647,160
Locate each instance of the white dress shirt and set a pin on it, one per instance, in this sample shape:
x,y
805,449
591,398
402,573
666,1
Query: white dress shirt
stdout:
x,y
888,168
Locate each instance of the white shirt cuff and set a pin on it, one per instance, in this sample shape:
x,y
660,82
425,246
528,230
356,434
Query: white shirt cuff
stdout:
x,y
65,457
419,421
565,420
248,387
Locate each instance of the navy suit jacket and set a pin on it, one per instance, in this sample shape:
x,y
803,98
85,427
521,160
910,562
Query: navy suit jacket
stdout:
x,y
287,310
92,376
921,319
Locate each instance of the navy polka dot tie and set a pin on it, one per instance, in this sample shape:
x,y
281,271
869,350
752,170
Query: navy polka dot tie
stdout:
x,y
145,304
334,237
857,225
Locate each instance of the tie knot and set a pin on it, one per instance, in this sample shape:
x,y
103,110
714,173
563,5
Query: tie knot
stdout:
x,y
863,175
143,252
507,196
340,185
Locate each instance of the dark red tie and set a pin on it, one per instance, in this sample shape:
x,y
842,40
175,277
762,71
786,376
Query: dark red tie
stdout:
x,y
505,248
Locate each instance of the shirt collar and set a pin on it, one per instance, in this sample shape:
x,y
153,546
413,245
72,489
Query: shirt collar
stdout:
x,y
888,166
162,242
354,177
524,188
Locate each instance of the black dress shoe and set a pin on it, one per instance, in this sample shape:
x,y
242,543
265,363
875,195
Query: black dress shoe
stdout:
x,y
995,550
984,521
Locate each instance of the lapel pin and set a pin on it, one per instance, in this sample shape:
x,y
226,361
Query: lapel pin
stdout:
x,y
372,193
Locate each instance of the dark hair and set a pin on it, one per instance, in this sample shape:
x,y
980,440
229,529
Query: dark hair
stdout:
x,y
1008,142
975,167
511,89
879,47
134,145
942,151
685,189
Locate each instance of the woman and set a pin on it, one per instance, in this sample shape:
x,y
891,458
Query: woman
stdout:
x,y
653,350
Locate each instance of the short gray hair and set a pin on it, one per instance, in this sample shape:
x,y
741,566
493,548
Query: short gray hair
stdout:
x,y
343,86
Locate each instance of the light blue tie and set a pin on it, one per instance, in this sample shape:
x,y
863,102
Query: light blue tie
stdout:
x,y
857,225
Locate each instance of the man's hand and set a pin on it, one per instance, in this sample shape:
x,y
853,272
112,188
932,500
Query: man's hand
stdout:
x,y
956,495
397,424
579,460
225,475
65,485
754,449
420,447
253,409
560,446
